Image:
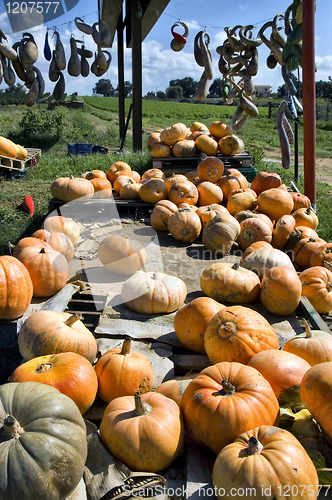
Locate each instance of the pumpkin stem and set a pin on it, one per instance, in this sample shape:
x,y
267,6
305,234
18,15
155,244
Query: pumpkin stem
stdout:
x,y
236,266
327,264
126,346
72,319
308,331
42,250
12,427
44,367
227,388
140,407
254,446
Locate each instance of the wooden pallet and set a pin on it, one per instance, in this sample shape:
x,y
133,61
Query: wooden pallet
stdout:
x,y
15,164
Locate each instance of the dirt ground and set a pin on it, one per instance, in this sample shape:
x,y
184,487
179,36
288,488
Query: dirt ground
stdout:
x,y
323,165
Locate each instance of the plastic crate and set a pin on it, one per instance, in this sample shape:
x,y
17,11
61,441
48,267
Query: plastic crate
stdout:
x,y
79,149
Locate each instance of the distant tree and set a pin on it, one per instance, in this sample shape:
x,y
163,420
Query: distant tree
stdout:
x,y
324,89
127,88
104,87
160,94
150,95
174,92
215,88
188,84
15,94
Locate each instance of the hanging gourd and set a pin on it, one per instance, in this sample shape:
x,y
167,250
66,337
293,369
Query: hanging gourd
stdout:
x,y
179,41
47,49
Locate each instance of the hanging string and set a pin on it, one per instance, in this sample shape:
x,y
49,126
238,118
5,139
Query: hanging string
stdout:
x,y
99,13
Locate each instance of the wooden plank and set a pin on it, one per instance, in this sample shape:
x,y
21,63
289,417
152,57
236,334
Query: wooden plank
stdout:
x,y
312,315
185,363
198,472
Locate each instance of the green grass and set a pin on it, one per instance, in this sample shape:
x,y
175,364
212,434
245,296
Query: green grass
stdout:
x,y
97,124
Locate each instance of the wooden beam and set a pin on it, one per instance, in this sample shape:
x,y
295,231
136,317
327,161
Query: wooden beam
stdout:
x,y
137,75
110,13
120,28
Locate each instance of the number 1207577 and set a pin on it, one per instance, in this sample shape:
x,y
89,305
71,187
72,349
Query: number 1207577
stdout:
x,y
30,7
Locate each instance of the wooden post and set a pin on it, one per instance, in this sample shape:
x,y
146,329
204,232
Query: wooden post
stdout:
x,y
119,30
137,73
309,99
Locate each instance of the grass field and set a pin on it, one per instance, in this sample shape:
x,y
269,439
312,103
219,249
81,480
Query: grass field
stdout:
x,y
51,131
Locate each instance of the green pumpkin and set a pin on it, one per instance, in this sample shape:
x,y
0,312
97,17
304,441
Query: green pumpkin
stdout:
x,y
43,445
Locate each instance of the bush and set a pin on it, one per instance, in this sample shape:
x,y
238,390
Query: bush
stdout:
x,y
38,124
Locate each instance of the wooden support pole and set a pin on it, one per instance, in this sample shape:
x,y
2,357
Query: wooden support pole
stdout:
x,y
137,74
120,28
309,99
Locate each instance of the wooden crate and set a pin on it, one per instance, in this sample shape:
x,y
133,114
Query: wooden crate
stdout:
x,y
15,164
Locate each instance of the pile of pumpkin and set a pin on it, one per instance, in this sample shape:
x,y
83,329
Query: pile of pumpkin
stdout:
x,y
182,142
9,149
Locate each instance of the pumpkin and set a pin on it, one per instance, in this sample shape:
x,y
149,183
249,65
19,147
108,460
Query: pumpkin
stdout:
x,y
48,269
306,217
94,174
16,288
210,169
153,293
239,201
209,193
300,200
174,388
220,233
153,137
317,287
275,202
321,254
160,214
58,223
193,135
284,371
145,432
230,145
230,181
251,230
315,346
304,249
160,150
121,255
130,191
69,372
263,258
43,445
256,462
245,214
207,212
174,133
282,230
102,188
72,188
184,225
183,192
316,395
122,372
122,180
7,148
206,144
281,290
192,176
265,180
50,332
191,321
58,241
236,333
116,168
198,126
255,246
228,282
184,149
28,242
135,175
23,153
174,178
225,400
219,129
153,190
153,173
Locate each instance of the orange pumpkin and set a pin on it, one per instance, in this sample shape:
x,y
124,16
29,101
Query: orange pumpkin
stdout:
x,y
191,321
160,214
184,225
206,144
50,332
121,255
265,180
174,388
28,242
174,178
16,288
245,214
255,246
304,249
210,169
102,188
281,290
122,372
255,462
243,200
198,126
300,200
153,173
153,191
220,233
230,145
317,287
282,230
71,188
130,191
70,373
219,129
232,180
321,254
58,223
184,149
192,176
174,133
315,346
153,137
116,168
209,193
236,333
275,203
145,432
228,282
122,180
228,396
251,230
264,258
183,192
58,241
306,217
94,174
207,212
160,150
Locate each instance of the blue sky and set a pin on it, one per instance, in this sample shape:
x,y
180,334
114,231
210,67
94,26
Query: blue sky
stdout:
x,y
160,63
